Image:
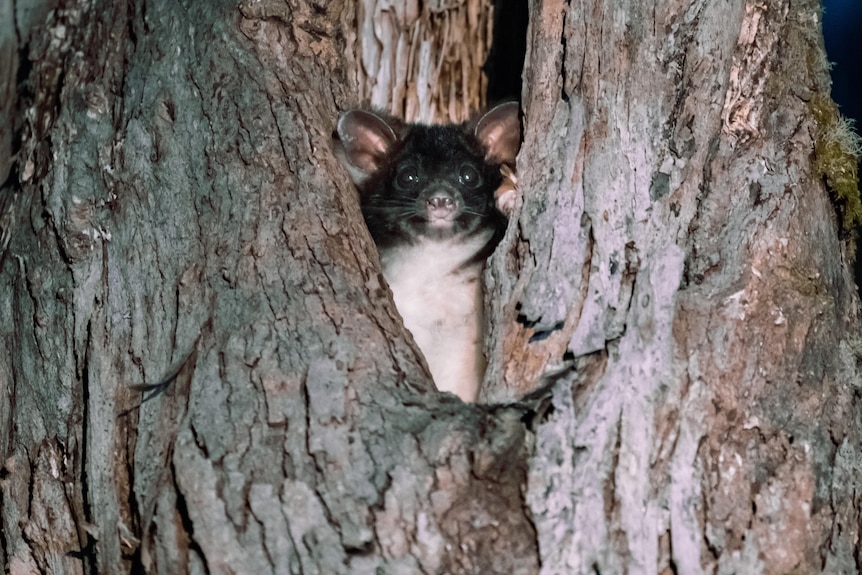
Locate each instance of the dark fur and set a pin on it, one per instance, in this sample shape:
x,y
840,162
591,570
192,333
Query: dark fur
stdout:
x,y
428,194
395,214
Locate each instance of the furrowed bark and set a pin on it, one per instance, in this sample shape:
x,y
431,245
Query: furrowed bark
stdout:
x,y
672,292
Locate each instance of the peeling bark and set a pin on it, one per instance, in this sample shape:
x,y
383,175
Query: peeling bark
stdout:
x,y
422,61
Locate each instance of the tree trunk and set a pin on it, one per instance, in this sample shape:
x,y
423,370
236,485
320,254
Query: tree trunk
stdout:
x,y
422,61
671,289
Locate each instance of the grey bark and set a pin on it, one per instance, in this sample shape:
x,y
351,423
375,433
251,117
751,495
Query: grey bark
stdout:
x,y
175,210
186,216
676,242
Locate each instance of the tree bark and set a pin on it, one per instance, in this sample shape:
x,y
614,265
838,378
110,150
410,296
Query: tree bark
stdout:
x,y
671,289
422,61
676,242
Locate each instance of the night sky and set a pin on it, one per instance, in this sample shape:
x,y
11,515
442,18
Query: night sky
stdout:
x,y
842,30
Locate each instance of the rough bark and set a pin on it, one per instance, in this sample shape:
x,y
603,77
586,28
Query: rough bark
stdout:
x,y
187,217
676,243
175,215
422,61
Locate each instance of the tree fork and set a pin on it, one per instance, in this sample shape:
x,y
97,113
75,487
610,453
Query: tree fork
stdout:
x,y
173,195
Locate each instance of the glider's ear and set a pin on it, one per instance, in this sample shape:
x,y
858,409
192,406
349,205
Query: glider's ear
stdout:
x,y
363,144
499,130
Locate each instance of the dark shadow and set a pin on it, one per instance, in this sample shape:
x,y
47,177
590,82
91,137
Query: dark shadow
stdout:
x,y
842,20
506,58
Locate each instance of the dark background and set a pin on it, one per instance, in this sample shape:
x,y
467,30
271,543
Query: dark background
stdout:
x,y
842,31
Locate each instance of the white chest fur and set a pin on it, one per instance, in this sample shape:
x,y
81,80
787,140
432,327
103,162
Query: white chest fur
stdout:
x,y
440,301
